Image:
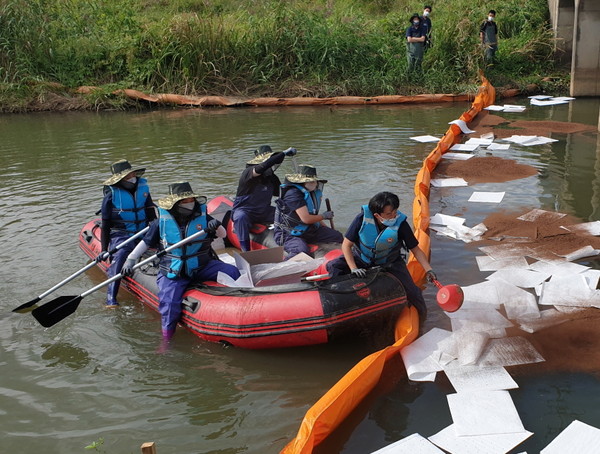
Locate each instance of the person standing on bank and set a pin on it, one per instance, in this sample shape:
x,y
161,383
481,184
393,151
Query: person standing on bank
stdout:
x,y
126,209
426,23
415,44
488,32
181,214
297,218
258,183
375,238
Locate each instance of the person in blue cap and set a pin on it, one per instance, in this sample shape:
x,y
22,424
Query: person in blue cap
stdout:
x,y
297,218
376,237
257,185
127,208
181,214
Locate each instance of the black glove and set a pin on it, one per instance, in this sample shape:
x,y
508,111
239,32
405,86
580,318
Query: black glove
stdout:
x,y
127,269
103,256
327,215
431,276
359,272
212,226
290,152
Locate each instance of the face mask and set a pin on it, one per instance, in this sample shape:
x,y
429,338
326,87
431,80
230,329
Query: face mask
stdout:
x,y
132,180
425,13
187,205
491,18
389,222
416,22
311,186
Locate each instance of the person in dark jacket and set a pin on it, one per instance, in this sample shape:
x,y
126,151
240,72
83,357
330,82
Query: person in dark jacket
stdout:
x,y
297,218
427,26
415,44
376,237
488,32
258,184
127,208
181,213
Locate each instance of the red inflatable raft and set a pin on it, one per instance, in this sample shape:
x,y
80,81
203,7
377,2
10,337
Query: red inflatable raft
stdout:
x,y
287,315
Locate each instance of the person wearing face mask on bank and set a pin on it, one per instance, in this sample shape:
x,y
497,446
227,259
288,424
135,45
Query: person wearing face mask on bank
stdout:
x,y
376,238
182,213
426,24
127,208
257,185
488,32
297,218
415,43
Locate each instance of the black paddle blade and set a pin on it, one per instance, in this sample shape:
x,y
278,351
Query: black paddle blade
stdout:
x,y
24,308
53,312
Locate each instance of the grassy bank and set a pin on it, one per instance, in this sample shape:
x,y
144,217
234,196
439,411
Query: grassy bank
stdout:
x,y
261,47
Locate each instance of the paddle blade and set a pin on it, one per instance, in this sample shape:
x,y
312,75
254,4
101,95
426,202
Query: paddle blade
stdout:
x,y
27,307
53,312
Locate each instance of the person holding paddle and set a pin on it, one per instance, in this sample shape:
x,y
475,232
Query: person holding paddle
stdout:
x,y
297,218
182,213
127,208
376,237
258,184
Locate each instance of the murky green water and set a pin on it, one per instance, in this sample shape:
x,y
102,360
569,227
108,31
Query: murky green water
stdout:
x,y
97,375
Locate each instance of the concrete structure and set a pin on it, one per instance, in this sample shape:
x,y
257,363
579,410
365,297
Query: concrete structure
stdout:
x,y
576,25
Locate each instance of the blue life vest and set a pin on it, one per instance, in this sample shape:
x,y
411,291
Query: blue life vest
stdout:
x,y
377,248
185,260
129,209
289,220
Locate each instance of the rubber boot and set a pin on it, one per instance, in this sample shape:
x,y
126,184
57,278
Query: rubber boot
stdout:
x,y
167,334
111,294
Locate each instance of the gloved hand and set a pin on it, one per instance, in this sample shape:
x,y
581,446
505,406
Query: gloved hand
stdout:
x,y
103,256
212,226
431,276
359,272
290,151
127,269
327,215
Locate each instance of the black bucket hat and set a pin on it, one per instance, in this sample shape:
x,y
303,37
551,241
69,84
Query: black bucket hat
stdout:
x,y
120,170
413,16
179,191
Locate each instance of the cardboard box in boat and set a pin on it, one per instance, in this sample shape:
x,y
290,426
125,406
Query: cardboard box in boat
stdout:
x,y
245,260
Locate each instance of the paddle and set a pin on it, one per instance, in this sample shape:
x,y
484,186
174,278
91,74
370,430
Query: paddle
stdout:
x,y
27,307
54,311
328,205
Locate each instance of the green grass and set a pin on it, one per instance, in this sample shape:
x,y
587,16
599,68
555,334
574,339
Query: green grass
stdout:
x,y
265,47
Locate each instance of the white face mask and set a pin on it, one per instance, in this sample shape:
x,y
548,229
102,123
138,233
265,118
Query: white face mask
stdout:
x,y
425,13
187,205
311,185
131,180
491,18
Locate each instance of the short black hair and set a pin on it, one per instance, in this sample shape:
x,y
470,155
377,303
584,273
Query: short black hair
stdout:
x,y
427,7
493,11
382,199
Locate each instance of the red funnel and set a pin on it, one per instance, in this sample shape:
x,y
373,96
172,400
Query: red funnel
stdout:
x,y
449,297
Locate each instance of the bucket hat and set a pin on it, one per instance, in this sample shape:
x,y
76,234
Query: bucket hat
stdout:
x,y
179,191
305,174
261,154
414,15
120,170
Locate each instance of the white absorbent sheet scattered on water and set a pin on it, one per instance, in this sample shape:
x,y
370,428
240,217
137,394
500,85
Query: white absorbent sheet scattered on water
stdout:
x,y
448,182
470,378
464,147
479,321
520,277
413,444
465,345
505,251
462,125
586,251
484,412
426,139
591,228
577,438
562,268
529,141
548,318
509,351
448,440
486,197
569,291
457,156
487,263
499,147
418,356
446,219
536,213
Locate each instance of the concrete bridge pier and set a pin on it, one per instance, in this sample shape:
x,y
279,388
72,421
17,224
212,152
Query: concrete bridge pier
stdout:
x,y
585,63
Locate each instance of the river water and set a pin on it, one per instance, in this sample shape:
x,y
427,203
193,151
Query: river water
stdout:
x,y
96,377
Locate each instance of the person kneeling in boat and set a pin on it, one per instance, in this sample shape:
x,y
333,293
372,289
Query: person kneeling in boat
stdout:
x,y
297,218
181,214
258,183
375,238
127,208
